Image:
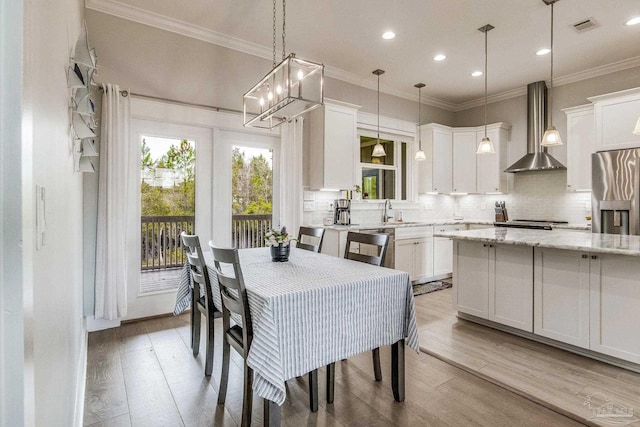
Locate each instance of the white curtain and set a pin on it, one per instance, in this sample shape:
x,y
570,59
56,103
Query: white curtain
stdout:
x,y
115,185
291,190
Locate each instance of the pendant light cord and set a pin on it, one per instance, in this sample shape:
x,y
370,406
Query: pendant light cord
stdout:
x,y
378,108
419,117
486,37
551,88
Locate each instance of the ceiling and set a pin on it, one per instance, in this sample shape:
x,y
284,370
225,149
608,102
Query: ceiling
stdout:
x,y
346,37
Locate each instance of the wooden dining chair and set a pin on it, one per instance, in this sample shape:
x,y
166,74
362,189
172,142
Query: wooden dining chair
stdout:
x,y
375,248
200,305
310,239
234,300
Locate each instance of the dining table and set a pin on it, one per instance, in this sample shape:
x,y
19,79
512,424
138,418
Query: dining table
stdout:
x,y
317,309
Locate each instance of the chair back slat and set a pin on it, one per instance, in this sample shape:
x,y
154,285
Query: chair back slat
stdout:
x,y
310,239
380,241
199,272
232,290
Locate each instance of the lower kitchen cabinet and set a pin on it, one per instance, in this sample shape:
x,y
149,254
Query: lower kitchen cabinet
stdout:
x,y
615,306
443,250
494,282
561,295
415,256
334,242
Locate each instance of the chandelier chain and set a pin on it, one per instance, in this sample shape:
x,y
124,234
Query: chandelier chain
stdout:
x,y
274,33
419,116
284,27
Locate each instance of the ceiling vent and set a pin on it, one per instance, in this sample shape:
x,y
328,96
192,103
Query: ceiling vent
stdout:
x,y
585,25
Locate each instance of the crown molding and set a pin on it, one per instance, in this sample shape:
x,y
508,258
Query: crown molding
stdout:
x,y
162,22
602,70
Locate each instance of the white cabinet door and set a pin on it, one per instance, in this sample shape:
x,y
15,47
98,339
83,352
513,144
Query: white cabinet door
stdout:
x,y
334,243
615,306
423,258
442,256
333,146
435,172
511,286
616,115
580,146
471,278
464,161
404,256
561,295
490,168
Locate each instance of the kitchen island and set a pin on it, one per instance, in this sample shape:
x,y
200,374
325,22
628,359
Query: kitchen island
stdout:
x,y
577,291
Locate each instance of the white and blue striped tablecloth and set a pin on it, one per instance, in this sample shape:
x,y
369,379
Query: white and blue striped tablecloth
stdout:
x,y
317,309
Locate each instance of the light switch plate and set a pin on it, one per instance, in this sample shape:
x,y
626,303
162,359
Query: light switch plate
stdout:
x,y
309,206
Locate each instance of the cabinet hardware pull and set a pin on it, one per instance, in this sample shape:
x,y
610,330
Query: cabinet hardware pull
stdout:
x,y
490,246
484,245
594,257
584,256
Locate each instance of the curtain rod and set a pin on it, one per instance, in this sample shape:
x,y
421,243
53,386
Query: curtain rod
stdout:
x,y
126,93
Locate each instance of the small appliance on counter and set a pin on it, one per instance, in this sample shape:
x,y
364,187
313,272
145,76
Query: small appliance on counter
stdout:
x,y
342,212
501,212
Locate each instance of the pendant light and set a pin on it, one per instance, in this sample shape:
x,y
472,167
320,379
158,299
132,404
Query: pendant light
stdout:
x,y
291,88
420,156
485,146
551,136
378,149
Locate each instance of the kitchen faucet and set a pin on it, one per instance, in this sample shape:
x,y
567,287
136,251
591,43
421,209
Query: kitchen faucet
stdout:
x,y
386,218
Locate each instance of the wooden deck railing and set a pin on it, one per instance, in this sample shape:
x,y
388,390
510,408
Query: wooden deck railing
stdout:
x,y
161,244
247,231
162,249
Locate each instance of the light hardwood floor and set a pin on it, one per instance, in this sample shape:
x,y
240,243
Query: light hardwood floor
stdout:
x,y
143,373
560,380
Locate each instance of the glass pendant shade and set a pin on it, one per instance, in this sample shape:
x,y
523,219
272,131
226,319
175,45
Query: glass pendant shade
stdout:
x,y
637,129
486,146
292,88
378,150
420,156
551,137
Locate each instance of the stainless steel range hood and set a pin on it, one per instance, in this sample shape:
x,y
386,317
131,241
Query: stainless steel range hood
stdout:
x,y
537,158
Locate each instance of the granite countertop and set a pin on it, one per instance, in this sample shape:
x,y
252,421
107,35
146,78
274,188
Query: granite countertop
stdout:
x,y
558,239
584,227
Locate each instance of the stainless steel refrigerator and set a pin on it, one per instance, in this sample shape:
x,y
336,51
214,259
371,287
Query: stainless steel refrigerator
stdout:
x,y
615,182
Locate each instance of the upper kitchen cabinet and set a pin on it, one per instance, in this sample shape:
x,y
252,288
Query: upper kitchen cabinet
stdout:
x,y
452,164
333,146
580,146
490,174
464,160
435,173
616,115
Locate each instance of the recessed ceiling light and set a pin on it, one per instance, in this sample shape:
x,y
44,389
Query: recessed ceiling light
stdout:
x,y
439,57
388,35
634,21
476,74
543,51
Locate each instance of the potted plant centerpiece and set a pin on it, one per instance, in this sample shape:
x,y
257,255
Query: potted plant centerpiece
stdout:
x,y
279,241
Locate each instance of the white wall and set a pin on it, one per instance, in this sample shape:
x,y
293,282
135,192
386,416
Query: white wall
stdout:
x,y
55,337
11,321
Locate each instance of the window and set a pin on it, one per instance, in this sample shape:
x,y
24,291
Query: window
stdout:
x,y
383,177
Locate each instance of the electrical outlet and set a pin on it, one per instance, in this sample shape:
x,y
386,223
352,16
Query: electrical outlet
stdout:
x,y
428,206
483,206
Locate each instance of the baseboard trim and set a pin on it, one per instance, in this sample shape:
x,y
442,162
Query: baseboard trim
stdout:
x,y
81,379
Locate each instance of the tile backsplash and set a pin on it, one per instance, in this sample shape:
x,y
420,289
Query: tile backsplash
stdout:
x,y
536,195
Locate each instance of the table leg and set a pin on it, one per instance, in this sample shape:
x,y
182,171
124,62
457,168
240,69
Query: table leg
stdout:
x,y
331,381
313,390
397,370
271,417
